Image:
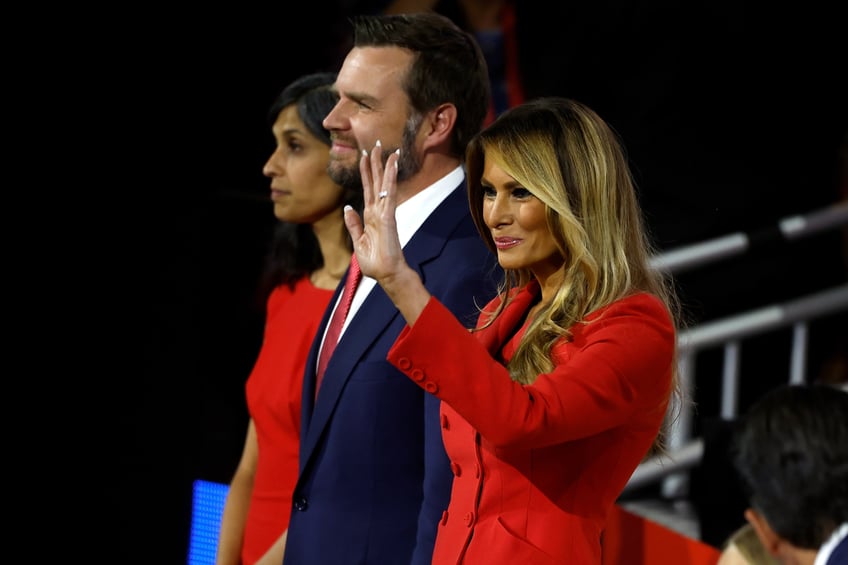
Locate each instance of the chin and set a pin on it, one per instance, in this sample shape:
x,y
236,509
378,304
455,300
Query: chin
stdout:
x,y
281,213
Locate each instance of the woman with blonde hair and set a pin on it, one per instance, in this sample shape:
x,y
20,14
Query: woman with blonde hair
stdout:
x,y
564,386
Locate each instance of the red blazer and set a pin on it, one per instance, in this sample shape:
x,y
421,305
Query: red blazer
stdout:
x,y
538,467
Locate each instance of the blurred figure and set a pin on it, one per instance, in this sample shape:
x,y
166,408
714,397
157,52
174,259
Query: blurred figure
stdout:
x,y
562,390
309,254
493,24
745,548
791,453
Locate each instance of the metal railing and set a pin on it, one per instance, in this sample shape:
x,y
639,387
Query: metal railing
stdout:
x,y
686,451
790,228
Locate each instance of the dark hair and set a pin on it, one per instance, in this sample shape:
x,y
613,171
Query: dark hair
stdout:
x,y
448,66
294,251
314,101
791,454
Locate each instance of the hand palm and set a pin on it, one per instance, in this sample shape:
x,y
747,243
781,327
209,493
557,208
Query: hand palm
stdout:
x,y
375,236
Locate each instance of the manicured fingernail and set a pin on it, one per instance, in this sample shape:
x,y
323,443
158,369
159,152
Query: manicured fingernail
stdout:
x,y
397,151
379,144
364,153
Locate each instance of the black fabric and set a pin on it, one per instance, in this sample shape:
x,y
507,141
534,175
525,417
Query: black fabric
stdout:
x,y
716,493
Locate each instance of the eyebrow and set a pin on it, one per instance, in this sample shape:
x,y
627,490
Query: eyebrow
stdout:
x,y
509,185
361,97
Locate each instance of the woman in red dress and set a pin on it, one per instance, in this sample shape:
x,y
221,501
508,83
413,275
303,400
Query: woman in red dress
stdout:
x,y
309,254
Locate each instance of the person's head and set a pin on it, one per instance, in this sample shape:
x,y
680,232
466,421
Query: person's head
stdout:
x,y
745,548
575,168
551,193
790,451
301,190
303,194
416,82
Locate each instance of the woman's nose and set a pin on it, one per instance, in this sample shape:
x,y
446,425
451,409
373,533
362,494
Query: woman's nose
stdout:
x,y
498,211
274,165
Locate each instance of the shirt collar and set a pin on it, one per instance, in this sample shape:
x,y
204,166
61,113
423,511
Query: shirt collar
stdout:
x,y
412,213
827,547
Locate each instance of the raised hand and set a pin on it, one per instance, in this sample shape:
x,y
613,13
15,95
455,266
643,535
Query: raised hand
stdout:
x,y
375,237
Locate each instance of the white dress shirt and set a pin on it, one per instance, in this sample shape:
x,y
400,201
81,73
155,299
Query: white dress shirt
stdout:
x,y
827,547
409,217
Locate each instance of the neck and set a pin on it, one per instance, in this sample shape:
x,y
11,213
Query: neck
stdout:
x,y
332,237
549,281
434,166
799,557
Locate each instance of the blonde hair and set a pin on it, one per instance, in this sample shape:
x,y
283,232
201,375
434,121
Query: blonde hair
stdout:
x,y
570,158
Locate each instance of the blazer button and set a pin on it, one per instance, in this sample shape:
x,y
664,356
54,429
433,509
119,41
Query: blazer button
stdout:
x,y
457,470
445,424
444,517
431,387
417,375
469,519
404,363
301,504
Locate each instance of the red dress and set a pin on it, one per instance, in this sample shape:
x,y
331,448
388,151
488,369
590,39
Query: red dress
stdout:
x,y
273,393
538,467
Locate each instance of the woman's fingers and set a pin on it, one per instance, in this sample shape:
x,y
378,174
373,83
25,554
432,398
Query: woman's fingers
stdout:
x,y
374,232
365,174
378,180
377,170
389,185
353,222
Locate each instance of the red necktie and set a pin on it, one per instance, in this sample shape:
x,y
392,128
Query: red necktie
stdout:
x,y
337,321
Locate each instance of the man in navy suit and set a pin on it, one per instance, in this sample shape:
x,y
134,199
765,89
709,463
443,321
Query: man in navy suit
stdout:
x,y
791,453
374,477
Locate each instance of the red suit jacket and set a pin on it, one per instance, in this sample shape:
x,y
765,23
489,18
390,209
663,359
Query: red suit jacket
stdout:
x,y
538,467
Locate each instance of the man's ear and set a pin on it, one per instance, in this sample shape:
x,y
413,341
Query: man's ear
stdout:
x,y
770,540
439,124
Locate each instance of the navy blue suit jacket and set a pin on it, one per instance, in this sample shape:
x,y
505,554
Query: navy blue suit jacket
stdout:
x,y
840,554
374,476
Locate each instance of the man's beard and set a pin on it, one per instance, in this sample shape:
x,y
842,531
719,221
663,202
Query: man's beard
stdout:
x,y
409,162
346,177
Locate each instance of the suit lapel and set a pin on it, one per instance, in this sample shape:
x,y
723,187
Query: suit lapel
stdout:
x,y
364,331
509,321
312,360
353,345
